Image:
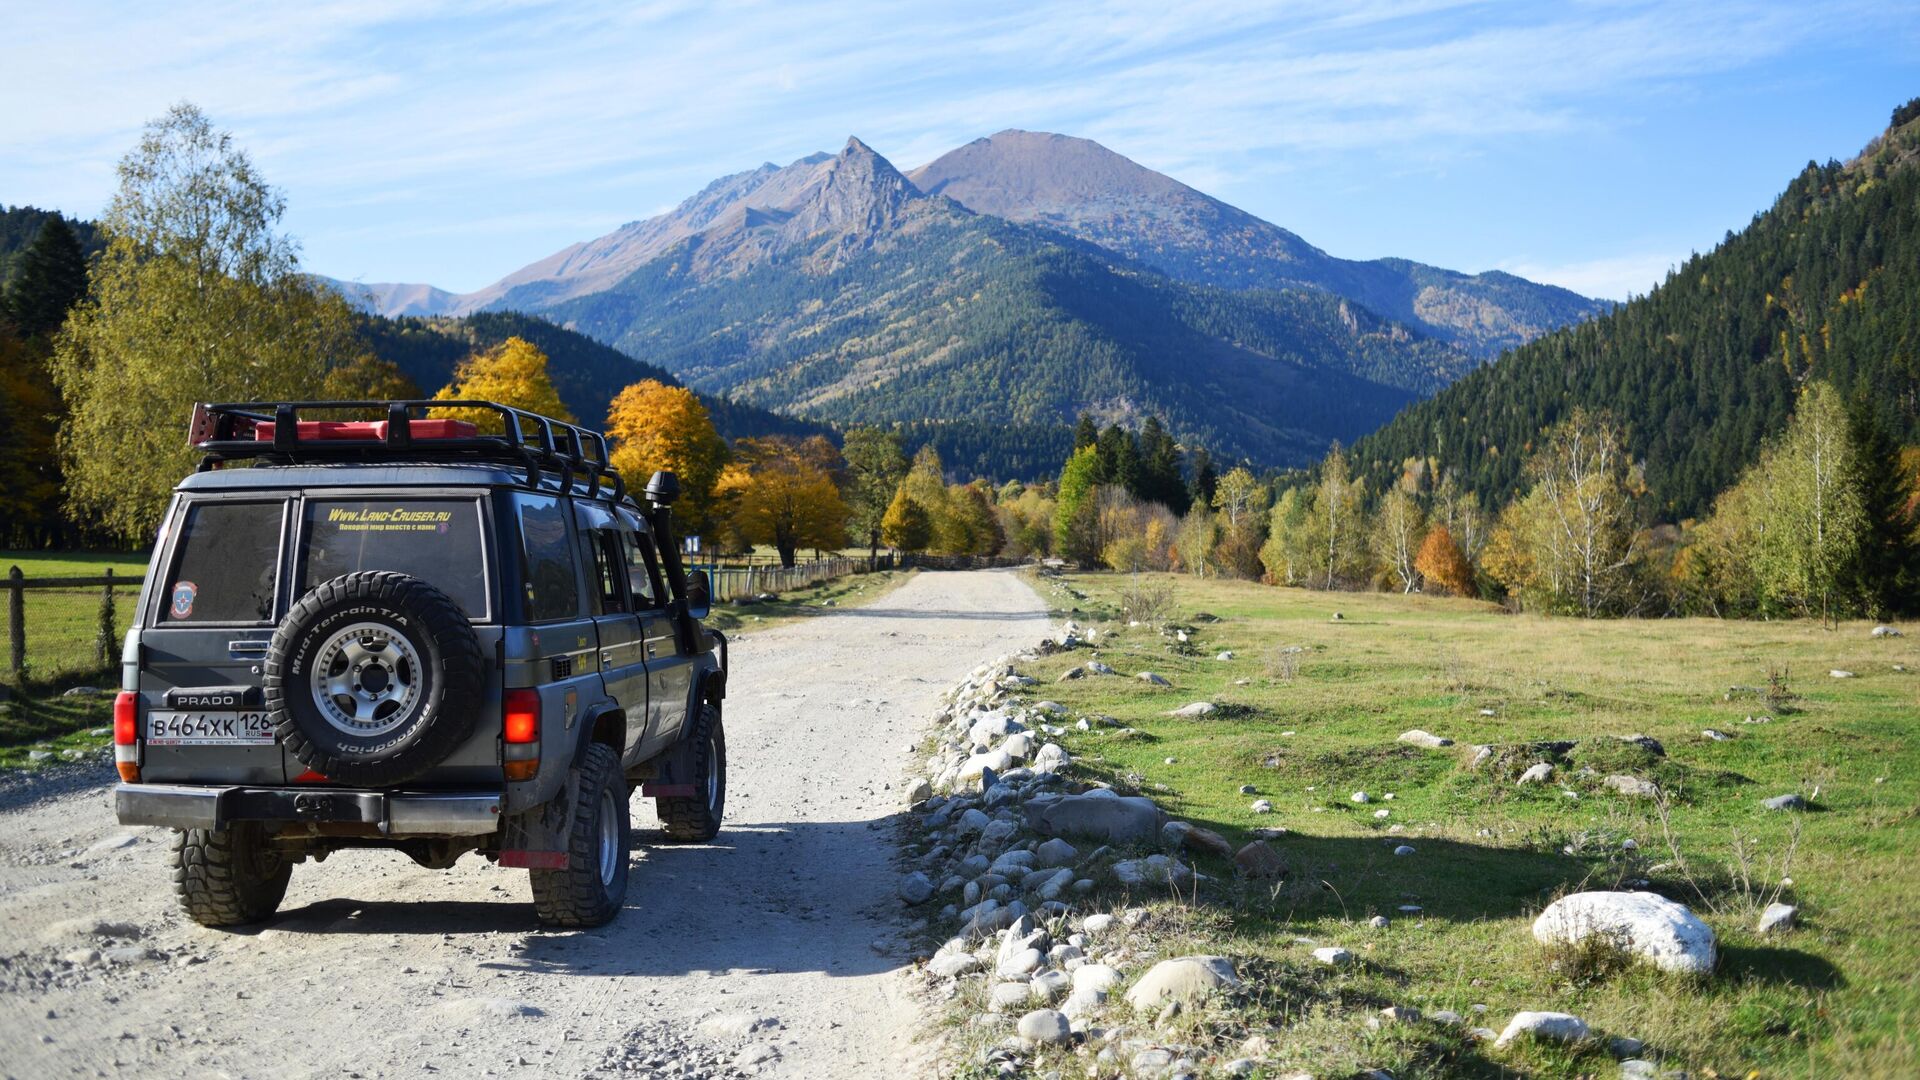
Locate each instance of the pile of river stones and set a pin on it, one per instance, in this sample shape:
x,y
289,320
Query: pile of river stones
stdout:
x,y
1014,851
1011,847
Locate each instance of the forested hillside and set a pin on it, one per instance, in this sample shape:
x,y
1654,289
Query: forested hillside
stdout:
x,y
586,373
1824,285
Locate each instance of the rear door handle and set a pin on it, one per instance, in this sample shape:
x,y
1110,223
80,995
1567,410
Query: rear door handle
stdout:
x,y
247,648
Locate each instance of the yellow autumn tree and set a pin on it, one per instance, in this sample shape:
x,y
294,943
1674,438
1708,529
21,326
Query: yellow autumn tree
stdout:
x,y
782,493
514,373
655,426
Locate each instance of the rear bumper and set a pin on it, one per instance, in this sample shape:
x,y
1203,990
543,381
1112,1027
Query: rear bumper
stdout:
x,y
194,806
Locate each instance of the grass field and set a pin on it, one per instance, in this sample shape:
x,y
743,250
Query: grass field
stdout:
x,y
1311,708
63,624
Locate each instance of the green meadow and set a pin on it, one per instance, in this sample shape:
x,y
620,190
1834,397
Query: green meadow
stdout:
x,y
1309,709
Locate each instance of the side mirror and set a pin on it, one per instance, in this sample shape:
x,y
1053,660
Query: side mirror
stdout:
x,y
699,594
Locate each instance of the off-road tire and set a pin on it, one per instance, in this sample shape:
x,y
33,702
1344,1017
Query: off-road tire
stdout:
x,y
701,755
579,895
452,675
227,877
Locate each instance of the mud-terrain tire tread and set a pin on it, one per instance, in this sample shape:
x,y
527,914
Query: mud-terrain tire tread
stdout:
x,y
215,879
575,896
689,820
454,701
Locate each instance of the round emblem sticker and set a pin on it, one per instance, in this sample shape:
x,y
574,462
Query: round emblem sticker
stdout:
x,y
183,594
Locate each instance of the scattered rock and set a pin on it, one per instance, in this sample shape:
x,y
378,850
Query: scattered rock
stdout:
x,y
1362,797
1188,978
1403,849
1333,956
1886,631
1261,806
955,965
1840,674
916,888
1046,1026
1152,679
1624,1046
1632,786
1545,1026
1378,922
1198,708
1259,862
1651,926
1716,735
1425,738
1098,924
1225,654
1777,917
1099,814
1785,802
1095,667
1538,773
1056,852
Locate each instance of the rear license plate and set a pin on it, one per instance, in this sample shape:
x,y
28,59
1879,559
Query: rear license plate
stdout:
x,y
209,729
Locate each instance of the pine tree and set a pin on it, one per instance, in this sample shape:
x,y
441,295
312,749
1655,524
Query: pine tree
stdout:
x,y
1085,433
52,277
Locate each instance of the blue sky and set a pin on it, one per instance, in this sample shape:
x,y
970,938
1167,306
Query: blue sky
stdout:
x,y
1588,144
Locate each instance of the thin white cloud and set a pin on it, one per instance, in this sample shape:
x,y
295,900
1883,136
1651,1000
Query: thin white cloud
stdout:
x,y
457,115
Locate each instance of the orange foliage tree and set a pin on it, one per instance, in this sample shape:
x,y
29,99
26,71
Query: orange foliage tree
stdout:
x,y
1443,564
782,492
655,426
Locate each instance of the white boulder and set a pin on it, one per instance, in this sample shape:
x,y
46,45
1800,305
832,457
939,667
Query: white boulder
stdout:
x,y
1668,935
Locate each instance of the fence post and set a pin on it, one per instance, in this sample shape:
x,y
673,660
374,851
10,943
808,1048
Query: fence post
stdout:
x,y
104,643
16,620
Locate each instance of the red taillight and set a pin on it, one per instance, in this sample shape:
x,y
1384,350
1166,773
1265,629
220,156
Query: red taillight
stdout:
x,y
520,710
126,718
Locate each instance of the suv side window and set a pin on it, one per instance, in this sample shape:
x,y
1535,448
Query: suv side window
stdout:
x,y
642,576
225,565
602,548
546,560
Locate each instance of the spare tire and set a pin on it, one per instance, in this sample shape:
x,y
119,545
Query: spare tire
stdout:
x,y
373,678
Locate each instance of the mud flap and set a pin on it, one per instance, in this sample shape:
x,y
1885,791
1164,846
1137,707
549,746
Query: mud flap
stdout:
x,y
672,771
536,839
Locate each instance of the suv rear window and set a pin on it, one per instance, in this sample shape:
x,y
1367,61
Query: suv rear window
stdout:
x,y
435,540
228,556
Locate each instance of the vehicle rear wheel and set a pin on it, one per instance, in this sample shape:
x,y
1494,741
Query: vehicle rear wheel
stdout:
x,y
591,888
228,877
702,761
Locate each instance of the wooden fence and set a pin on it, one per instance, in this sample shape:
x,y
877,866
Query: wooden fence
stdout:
x,y
67,624
75,641
734,582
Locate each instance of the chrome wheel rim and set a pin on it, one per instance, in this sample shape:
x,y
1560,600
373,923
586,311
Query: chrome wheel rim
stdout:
x,y
367,679
609,837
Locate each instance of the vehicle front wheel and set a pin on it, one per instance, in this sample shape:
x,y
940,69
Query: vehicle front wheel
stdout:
x,y
228,877
701,759
593,886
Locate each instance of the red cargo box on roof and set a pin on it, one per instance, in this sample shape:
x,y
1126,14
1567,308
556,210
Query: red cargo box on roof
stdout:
x,y
369,429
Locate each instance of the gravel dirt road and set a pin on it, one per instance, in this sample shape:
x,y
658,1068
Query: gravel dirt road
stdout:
x,y
774,950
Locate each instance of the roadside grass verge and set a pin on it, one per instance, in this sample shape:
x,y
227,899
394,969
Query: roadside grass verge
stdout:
x,y
1310,727
813,601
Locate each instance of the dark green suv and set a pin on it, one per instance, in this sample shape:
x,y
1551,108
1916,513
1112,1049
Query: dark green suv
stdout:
x,y
442,636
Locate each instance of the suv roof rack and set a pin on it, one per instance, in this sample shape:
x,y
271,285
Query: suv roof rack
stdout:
x,y
272,431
